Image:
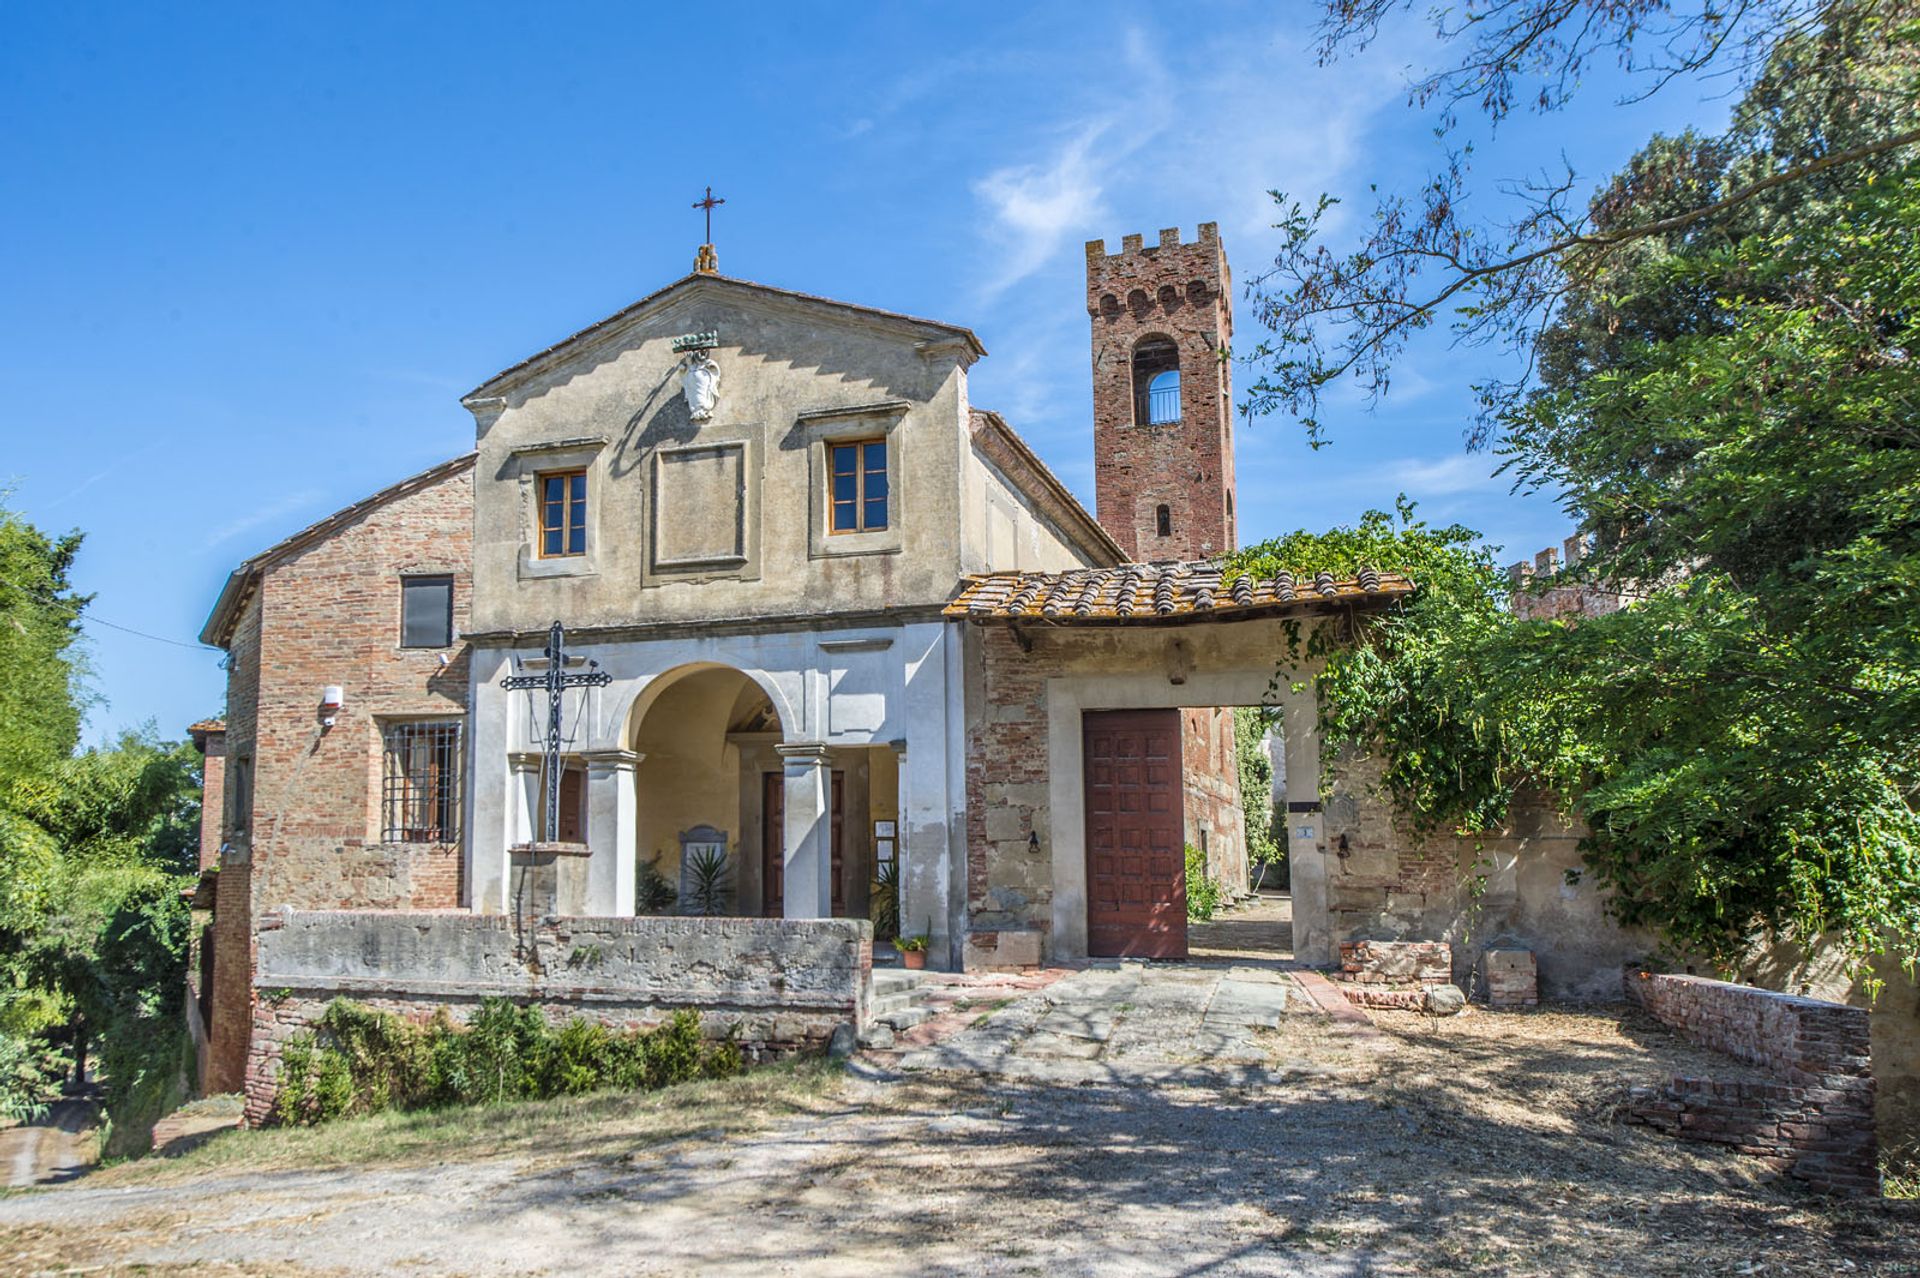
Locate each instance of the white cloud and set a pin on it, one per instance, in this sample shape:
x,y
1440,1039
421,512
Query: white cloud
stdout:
x,y
264,515
1036,208
1445,476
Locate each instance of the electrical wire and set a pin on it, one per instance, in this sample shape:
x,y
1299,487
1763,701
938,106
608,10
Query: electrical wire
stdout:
x,y
85,617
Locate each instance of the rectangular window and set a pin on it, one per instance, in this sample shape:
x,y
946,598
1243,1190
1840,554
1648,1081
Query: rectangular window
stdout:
x,y
426,612
563,514
421,799
858,475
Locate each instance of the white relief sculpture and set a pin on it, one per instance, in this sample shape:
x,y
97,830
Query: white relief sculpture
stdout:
x,y
701,385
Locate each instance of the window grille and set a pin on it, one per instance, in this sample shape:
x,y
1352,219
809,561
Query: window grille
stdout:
x,y
421,799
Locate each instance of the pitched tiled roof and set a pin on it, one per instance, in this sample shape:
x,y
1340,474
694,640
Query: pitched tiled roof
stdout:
x,y
1159,592
219,627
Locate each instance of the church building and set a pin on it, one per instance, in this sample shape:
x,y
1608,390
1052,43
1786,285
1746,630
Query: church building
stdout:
x,y
831,631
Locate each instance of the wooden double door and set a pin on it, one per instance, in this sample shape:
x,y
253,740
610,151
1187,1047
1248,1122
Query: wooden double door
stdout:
x,y
773,842
1136,834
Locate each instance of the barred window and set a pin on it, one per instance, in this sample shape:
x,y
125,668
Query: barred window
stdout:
x,y
421,803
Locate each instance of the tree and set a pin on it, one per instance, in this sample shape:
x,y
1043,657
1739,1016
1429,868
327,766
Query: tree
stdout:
x,y
1833,88
94,847
1744,741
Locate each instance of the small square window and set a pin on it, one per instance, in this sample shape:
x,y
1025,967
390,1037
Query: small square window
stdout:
x,y
426,612
857,496
563,514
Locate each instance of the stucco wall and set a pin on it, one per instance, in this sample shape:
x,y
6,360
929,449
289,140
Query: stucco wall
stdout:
x,y
793,375
777,985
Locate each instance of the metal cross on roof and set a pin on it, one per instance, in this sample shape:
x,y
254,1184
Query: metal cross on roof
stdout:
x,y
709,204
556,681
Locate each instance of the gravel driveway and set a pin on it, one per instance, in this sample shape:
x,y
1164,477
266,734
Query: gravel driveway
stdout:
x,y
1132,1121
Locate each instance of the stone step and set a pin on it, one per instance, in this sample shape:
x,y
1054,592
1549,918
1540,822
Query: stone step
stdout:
x,y
895,1001
886,982
904,1019
878,1038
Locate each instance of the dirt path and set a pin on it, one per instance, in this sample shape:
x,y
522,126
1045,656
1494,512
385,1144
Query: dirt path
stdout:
x,y
1481,1145
61,1146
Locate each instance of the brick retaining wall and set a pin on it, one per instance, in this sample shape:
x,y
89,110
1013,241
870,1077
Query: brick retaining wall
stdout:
x,y
780,986
1816,1123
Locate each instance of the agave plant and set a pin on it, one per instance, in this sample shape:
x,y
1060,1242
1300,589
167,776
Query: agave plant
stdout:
x,y
885,907
707,885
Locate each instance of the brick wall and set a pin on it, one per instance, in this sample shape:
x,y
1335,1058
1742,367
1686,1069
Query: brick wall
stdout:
x,y
1007,778
778,985
1182,292
1210,773
213,796
303,820
1816,1123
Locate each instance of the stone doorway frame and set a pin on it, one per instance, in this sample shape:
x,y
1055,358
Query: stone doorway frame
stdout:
x,y
1068,697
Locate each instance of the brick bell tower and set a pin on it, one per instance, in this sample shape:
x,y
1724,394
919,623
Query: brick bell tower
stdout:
x,y
1163,394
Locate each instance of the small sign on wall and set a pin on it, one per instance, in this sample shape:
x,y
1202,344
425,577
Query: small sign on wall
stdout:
x,y
883,830
883,849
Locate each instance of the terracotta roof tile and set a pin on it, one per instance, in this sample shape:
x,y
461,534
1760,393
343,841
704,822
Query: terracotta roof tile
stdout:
x,y
1158,592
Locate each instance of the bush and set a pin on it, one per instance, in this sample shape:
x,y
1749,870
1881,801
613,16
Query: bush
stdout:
x,y
362,1061
1203,890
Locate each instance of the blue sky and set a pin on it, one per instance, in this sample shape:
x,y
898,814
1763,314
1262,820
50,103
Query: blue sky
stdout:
x,y
250,256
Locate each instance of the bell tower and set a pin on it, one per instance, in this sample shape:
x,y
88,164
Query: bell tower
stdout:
x,y
1163,394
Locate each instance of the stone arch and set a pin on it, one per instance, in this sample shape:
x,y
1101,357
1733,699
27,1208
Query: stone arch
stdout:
x,y
647,694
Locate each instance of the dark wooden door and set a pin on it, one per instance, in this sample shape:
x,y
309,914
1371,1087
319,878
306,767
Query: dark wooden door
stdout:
x,y
573,806
1136,829
773,843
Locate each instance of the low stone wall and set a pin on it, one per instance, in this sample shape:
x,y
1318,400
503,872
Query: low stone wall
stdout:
x,y
1816,1123
779,985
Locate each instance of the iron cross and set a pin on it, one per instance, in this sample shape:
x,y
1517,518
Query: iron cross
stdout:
x,y
708,204
556,681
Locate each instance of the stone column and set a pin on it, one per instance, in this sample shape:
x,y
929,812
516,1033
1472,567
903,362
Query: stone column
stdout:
x,y
612,831
809,864
524,795
1305,835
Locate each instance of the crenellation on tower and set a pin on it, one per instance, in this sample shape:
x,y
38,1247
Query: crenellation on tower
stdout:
x,y
1162,319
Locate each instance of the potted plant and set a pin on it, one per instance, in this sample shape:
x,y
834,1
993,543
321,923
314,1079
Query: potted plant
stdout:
x,y
913,951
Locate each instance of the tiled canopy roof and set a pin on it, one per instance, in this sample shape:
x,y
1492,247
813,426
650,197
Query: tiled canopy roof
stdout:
x,y
1159,592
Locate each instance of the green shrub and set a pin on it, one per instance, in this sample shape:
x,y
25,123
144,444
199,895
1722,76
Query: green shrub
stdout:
x,y
1203,890
362,1061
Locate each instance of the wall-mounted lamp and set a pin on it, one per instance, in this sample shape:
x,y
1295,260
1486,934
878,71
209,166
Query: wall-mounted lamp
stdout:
x,y
332,697
1033,842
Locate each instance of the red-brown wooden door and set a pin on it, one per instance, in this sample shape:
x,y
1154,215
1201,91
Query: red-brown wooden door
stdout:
x,y
773,843
1136,830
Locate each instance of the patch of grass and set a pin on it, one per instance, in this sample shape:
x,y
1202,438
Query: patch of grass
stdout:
x,y
598,1124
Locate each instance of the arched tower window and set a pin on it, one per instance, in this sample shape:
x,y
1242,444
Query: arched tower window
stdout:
x,y
1156,382
1163,518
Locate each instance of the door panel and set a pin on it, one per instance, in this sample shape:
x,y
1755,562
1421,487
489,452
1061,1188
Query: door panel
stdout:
x,y
1136,856
773,843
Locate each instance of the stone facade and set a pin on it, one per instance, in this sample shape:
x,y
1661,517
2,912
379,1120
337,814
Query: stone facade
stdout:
x,y
1519,887
1816,1123
776,986
1182,295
